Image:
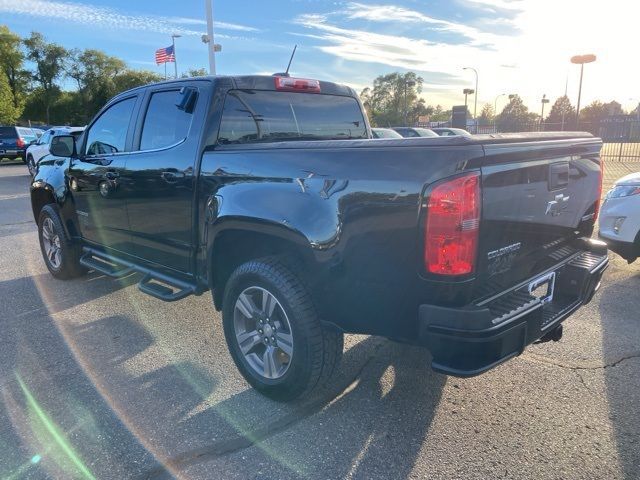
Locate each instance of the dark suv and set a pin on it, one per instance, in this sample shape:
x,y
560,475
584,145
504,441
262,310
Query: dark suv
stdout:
x,y
14,141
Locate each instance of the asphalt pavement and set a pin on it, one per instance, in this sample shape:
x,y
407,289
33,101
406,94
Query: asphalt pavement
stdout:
x,y
98,380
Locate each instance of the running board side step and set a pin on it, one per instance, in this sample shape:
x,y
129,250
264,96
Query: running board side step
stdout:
x,y
105,264
164,288
156,284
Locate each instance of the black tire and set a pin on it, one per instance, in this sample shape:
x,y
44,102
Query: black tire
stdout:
x,y
31,166
316,349
68,266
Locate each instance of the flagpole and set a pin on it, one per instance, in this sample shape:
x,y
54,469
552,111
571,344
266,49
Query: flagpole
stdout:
x,y
211,44
165,70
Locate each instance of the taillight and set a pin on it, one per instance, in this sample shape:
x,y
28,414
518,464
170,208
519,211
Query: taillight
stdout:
x,y
452,226
599,199
20,143
297,84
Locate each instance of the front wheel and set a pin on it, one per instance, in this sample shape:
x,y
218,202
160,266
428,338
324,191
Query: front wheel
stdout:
x,y
31,166
273,331
61,256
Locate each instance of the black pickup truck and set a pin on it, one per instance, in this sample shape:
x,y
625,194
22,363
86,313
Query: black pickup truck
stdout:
x,y
269,192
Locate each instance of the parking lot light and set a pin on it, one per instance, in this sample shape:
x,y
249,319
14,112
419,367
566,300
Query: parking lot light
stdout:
x,y
581,60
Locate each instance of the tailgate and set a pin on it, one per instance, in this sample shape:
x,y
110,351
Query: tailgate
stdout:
x,y
537,199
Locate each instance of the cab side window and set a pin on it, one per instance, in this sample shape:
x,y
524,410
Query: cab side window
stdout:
x,y
164,123
108,134
238,124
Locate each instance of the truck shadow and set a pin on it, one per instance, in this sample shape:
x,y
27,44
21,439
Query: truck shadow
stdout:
x,y
619,306
97,379
378,408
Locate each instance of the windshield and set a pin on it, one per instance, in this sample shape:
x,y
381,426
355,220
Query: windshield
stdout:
x,y
385,133
251,116
425,132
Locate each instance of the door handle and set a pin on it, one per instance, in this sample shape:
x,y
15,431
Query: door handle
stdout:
x,y
172,175
111,175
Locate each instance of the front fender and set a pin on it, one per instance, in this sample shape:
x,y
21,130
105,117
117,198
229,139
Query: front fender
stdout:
x,y
50,185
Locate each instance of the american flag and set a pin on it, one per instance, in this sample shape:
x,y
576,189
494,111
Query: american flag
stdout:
x,y
165,55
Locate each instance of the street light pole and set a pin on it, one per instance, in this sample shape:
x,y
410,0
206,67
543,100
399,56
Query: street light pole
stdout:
x,y
210,42
467,91
475,98
581,60
543,101
495,104
175,57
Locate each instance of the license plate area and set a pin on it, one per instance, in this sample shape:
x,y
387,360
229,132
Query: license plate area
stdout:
x,y
542,287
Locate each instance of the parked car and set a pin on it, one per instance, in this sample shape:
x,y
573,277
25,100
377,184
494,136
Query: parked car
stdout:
x,y
14,142
269,192
36,151
384,133
450,132
620,217
410,132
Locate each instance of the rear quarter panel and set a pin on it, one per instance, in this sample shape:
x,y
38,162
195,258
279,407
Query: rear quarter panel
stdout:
x,y
354,204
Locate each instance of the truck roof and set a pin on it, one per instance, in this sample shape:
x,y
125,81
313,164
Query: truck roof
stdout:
x,y
257,82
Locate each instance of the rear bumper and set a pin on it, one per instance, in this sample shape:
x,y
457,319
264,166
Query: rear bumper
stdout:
x,y
12,153
468,341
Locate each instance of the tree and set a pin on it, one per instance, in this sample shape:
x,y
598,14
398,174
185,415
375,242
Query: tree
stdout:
x,y
514,116
562,114
486,115
440,115
94,72
596,111
195,72
49,61
392,98
9,113
11,63
134,78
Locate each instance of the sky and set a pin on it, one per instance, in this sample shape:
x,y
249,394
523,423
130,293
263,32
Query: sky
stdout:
x,y
516,46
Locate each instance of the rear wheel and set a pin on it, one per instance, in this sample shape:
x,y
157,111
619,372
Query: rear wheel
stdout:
x,y
61,256
273,331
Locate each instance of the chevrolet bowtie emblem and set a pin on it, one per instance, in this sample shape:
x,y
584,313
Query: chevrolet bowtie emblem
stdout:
x,y
557,206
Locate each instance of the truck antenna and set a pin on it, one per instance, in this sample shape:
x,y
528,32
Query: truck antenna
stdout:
x,y
286,73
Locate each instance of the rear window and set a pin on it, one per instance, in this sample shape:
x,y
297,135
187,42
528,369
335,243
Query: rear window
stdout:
x,y
251,116
8,132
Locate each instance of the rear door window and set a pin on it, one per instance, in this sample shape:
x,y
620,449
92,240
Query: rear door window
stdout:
x,y
164,123
251,116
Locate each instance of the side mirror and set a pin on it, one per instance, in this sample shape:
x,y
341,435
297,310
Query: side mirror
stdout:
x,y
63,146
33,142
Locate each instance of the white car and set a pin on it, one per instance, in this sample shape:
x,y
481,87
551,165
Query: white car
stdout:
x,y
620,217
40,148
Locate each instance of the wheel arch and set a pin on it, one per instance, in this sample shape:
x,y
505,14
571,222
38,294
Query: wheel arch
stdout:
x,y
41,195
239,240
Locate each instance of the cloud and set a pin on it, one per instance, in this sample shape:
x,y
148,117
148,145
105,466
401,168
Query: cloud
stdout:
x,y
104,17
395,14
394,50
524,49
491,5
